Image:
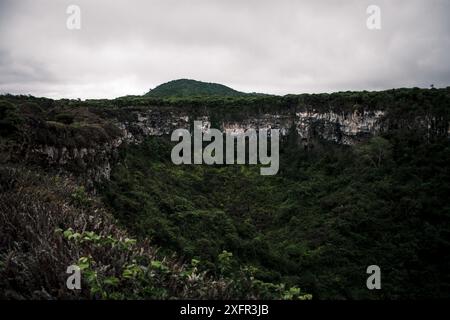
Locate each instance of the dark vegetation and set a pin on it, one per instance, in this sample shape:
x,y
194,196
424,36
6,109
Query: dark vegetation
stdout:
x,y
328,215
226,231
48,223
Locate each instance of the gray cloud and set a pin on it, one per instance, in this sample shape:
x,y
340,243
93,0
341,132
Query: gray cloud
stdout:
x,y
283,46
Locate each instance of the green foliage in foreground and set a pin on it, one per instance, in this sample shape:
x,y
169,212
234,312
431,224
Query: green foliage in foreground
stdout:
x,y
143,277
318,224
49,223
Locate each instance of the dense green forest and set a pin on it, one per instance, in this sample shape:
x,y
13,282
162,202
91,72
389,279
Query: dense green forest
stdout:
x,y
328,215
157,230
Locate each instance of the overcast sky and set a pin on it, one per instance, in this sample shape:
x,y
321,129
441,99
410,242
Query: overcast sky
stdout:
x,y
271,46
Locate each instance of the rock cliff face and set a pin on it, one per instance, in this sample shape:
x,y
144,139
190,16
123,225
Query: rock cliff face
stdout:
x,y
342,128
84,136
93,162
345,128
93,159
91,150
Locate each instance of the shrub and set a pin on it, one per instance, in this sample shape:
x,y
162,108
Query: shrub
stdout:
x,y
10,118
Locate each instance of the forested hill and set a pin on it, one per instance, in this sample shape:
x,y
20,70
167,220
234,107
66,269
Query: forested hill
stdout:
x,y
189,88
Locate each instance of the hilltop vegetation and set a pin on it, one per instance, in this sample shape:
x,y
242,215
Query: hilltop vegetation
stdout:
x,y
192,88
